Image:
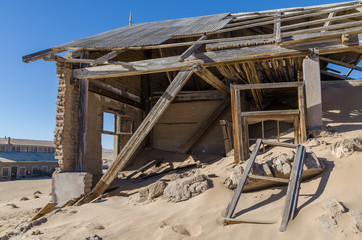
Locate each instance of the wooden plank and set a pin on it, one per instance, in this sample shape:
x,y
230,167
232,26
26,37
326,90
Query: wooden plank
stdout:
x,y
236,221
167,73
282,180
335,75
236,119
207,59
268,85
293,188
232,205
108,91
140,134
277,28
227,137
193,48
193,96
46,209
340,63
270,112
105,58
302,120
342,83
281,144
324,20
202,129
211,79
140,169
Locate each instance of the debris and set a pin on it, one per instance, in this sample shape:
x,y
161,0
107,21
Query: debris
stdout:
x,y
357,215
233,180
152,191
334,208
36,196
94,237
328,223
36,232
24,199
346,147
184,188
312,142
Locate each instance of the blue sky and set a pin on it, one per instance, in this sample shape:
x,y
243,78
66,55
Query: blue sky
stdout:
x,y
28,91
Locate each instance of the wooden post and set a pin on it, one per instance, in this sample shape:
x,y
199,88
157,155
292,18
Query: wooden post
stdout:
x,y
313,92
140,134
82,119
235,113
301,104
227,136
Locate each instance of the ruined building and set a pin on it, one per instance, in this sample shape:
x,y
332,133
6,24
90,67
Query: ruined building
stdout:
x,y
169,83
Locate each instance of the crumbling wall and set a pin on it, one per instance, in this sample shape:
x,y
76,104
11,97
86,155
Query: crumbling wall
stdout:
x,y
66,131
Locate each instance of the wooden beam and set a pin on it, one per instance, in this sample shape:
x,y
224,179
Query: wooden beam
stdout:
x,y
105,58
144,128
211,79
341,63
280,144
237,128
194,96
268,85
232,205
270,112
277,28
207,59
302,117
112,93
202,129
335,75
191,49
342,83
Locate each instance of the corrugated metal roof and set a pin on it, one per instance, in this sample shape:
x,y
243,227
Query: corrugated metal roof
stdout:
x,y
26,142
26,157
153,33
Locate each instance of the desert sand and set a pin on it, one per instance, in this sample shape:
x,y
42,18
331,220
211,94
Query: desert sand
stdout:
x,y
117,217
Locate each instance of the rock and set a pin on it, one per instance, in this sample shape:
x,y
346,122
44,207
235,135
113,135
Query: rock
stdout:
x,y
282,164
359,226
233,180
185,188
334,208
346,147
328,223
152,191
313,143
36,232
94,237
357,215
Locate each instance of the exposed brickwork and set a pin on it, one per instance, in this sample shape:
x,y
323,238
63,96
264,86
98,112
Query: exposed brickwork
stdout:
x,y
66,131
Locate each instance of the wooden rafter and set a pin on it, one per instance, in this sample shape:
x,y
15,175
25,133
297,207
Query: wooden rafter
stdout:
x,y
211,79
192,49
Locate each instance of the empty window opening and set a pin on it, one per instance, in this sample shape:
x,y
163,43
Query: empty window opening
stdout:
x,y
108,122
5,172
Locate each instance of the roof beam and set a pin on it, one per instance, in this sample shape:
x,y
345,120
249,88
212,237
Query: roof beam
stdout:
x,y
335,75
211,79
105,58
343,64
212,59
192,49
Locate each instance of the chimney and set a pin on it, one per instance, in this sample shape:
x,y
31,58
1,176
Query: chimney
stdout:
x,y
8,140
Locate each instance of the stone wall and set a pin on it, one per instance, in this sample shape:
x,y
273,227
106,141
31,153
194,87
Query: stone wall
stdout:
x,y
66,131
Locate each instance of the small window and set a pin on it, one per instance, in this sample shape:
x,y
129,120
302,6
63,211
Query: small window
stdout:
x,y
22,172
35,170
2,148
44,169
108,122
5,172
26,149
34,149
17,149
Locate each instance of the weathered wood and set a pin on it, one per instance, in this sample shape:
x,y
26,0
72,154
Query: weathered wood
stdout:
x,y
340,63
227,135
293,187
270,113
167,73
193,48
342,83
211,79
281,144
302,120
268,85
202,129
236,119
232,205
105,58
324,20
335,75
207,59
108,91
46,209
282,180
277,28
145,127
140,169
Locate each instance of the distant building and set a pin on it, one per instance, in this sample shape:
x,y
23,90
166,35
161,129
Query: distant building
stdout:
x,y
21,158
